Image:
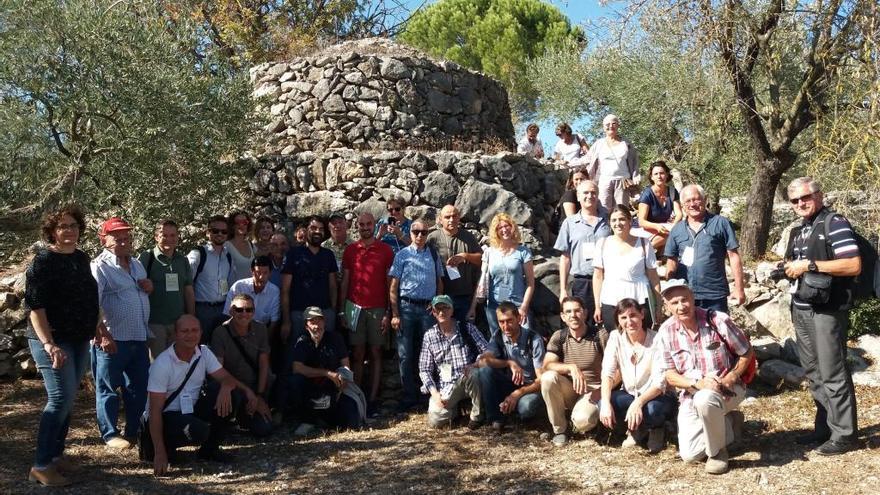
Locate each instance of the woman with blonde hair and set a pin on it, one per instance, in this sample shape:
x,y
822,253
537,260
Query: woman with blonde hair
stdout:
x,y
507,273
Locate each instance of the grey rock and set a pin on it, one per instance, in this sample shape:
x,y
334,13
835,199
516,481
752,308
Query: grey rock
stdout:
x,y
790,351
268,90
354,77
776,372
767,348
321,89
451,125
480,202
334,103
350,93
439,189
392,68
866,378
775,316
546,297
870,347
367,108
320,203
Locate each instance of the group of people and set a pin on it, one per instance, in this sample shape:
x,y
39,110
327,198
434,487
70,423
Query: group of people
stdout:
x,y
246,330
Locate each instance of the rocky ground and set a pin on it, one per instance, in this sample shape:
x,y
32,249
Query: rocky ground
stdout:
x,y
402,456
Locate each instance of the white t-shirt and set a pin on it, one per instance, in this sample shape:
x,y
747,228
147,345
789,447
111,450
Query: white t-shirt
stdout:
x,y
168,371
526,147
568,152
624,275
612,159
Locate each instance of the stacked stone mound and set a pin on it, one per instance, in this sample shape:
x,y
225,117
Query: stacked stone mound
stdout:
x,y
375,94
15,357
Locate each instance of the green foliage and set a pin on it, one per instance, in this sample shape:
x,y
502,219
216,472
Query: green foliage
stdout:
x,y
864,318
497,37
111,105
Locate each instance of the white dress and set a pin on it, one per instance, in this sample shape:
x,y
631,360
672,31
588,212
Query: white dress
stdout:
x,y
625,276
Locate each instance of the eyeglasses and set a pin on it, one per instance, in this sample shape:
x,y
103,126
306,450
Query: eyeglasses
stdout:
x,y
218,231
418,232
442,307
243,310
805,198
394,209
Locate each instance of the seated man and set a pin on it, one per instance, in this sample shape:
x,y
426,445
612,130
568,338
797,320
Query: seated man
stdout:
x,y
511,380
242,348
322,386
704,354
178,414
572,371
450,353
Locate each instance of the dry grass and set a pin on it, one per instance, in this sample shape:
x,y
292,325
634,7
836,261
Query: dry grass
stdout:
x,y
406,457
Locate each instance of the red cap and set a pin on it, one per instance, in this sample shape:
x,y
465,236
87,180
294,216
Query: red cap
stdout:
x,y
112,224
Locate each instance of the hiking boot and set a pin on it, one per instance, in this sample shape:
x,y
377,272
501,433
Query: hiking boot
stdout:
x,y
559,440
474,424
48,477
118,443
656,440
498,427
717,464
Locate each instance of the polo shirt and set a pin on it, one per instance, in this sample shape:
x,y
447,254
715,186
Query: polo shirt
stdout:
x,y
528,352
586,353
706,276
126,306
578,238
446,246
254,343
267,304
311,276
168,371
327,354
166,300
417,271
212,284
368,268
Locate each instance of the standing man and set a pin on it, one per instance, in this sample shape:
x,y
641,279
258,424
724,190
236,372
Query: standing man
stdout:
x,y
696,251
172,293
265,295
576,241
211,265
704,354
460,251
338,240
823,247
572,372
278,247
530,144
121,359
308,279
416,277
365,287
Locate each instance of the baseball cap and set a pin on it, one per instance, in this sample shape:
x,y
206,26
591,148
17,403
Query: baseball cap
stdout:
x,y
441,299
313,312
667,285
113,224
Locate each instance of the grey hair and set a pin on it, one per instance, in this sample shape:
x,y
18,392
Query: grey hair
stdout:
x,y
802,181
694,187
610,118
243,297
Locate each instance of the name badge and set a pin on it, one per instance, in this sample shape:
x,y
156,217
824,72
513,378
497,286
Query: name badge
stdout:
x,y
687,256
588,250
453,272
172,283
224,287
186,404
446,372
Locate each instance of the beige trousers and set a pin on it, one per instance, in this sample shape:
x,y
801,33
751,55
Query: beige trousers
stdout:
x,y
703,425
466,387
559,395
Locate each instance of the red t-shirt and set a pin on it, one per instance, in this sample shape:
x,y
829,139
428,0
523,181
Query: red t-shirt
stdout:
x,y
368,267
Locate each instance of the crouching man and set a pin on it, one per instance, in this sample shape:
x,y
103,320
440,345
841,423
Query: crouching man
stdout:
x,y
451,352
178,414
704,354
572,372
510,382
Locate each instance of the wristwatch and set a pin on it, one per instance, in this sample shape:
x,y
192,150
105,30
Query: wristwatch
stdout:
x,y
812,267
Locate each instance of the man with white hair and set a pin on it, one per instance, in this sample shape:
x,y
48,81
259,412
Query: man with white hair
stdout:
x,y
696,250
613,163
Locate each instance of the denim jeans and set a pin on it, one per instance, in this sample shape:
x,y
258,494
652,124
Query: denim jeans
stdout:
x,y
492,318
654,413
716,304
128,369
61,387
461,305
415,319
495,385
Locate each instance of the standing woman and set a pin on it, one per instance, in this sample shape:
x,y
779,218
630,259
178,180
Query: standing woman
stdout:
x,y
61,296
624,267
613,163
508,273
570,147
264,228
659,208
393,229
242,250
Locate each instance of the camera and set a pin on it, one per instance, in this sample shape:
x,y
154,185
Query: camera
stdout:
x,y
778,273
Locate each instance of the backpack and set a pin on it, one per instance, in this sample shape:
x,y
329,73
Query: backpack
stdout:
x,y
203,256
752,369
866,284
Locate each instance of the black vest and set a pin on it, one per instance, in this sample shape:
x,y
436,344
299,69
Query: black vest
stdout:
x,y
819,249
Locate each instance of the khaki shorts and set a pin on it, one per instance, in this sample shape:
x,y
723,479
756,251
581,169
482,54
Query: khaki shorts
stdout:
x,y
369,328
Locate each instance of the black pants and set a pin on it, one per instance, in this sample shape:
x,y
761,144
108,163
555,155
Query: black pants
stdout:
x,y
342,413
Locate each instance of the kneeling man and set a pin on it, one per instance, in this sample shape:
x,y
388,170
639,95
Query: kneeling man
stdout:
x,y
704,354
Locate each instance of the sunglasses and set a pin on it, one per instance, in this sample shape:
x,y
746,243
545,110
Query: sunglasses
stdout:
x,y
218,231
243,310
394,208
418,232
804,198
442,307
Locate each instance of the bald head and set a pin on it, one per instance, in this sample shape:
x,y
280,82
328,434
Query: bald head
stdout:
x,y
186,321
450,219
187,334
366,222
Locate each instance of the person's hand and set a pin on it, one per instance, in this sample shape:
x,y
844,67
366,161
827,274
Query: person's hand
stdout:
x,y
739,297
578,382
508,405
606,414
472,314
160,464
336,379
107,344
386,322
55,353
437,399
709,382
597,315
223,406
524,315
456,259
517,372
284,331
794,269
634,415
146,285
262,408
252,399
395,323
563,293
728,380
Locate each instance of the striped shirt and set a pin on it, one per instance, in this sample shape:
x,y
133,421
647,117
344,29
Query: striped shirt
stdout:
x,y
125,305
439,350
586,353
840,237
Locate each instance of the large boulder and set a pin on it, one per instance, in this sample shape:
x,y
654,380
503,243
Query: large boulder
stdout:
x,y
775,316
776,373
479,201
439,189
317,203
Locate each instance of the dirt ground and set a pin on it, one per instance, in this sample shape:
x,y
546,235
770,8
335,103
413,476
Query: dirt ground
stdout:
x,y
403,456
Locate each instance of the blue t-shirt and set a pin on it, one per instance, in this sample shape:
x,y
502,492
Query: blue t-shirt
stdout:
x,y
656,212
311,276
417,272
528,352
578,239
706,275
391,240
507,278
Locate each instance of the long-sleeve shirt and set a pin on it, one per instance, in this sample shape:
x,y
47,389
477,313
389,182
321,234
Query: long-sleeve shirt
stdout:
x,y
444,359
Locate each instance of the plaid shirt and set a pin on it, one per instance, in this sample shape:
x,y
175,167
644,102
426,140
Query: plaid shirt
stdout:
x,y
438,349
707,353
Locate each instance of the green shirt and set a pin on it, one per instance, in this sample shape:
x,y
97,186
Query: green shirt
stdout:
x,y
170,277
337,249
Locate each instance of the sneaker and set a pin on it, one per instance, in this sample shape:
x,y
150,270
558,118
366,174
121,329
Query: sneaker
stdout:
x,y
814,437
656,440
498,427
474,424
835,447
629,442
48,477
717,464
118,443
215,455
559,440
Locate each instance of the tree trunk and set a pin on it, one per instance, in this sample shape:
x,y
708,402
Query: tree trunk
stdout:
x,y
759,208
